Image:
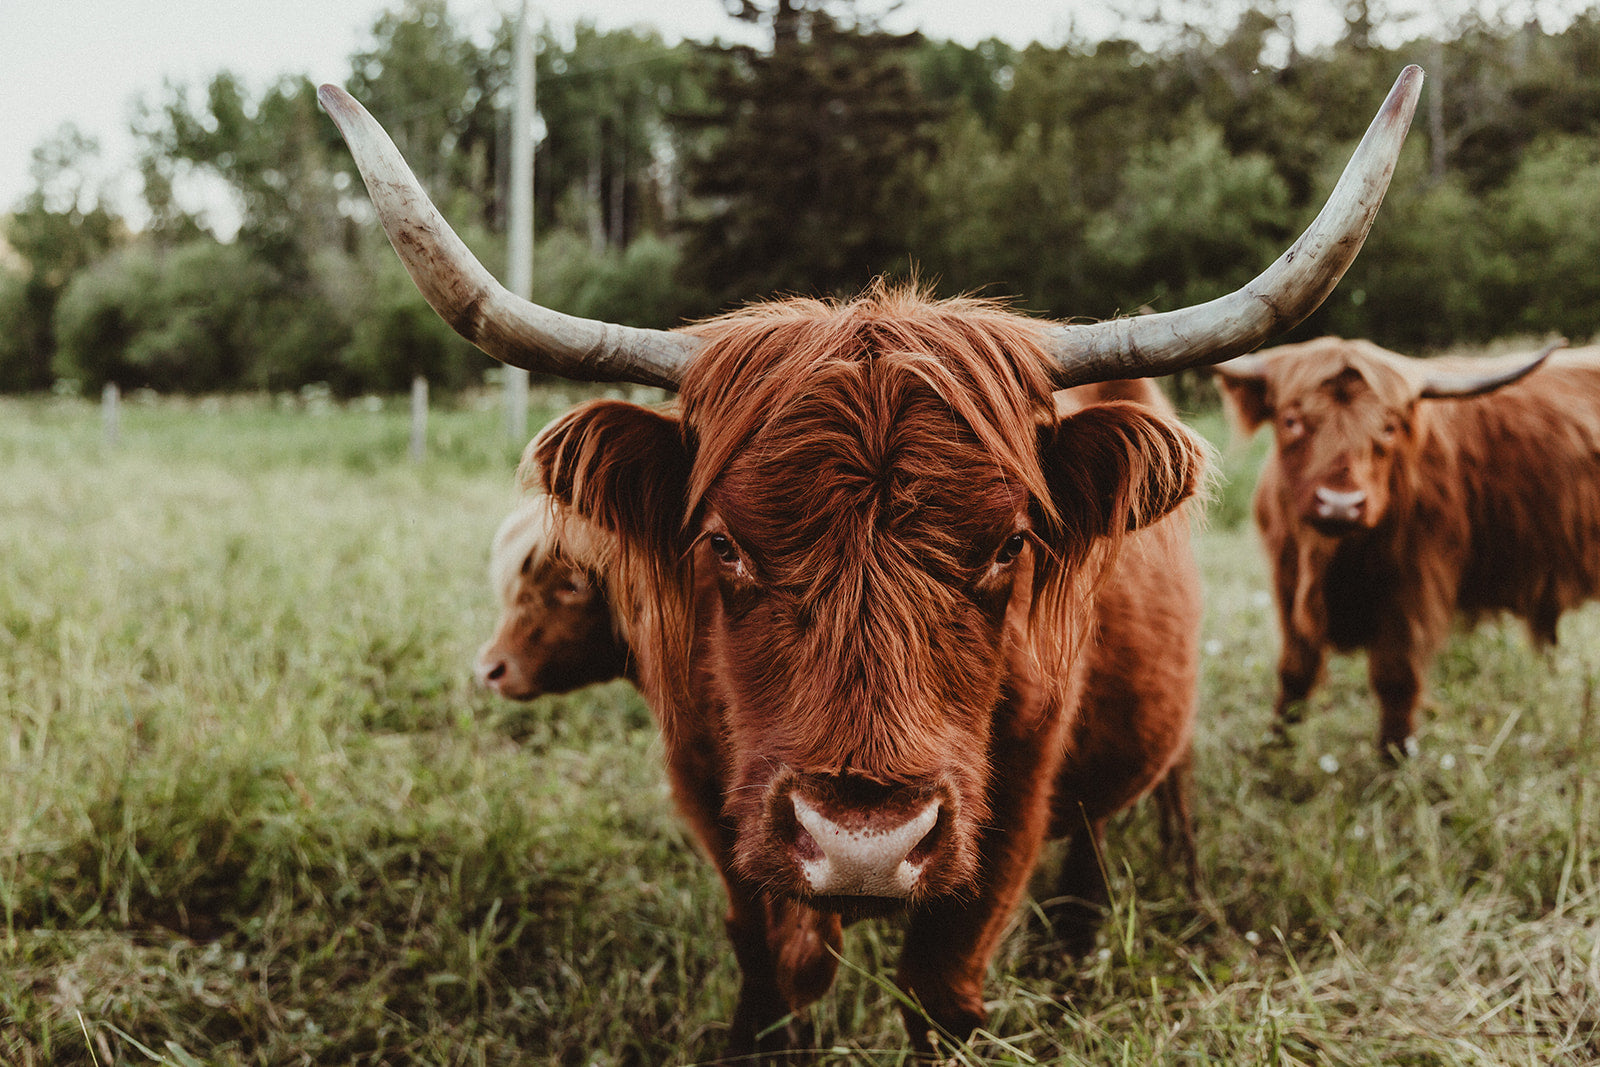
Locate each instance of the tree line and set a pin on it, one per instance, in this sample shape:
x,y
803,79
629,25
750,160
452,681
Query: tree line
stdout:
x,y
1091,178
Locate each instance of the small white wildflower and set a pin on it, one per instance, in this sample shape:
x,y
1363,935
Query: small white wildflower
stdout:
x,y
1447,762
1329,763
1412,748
1252,937
1213,647
1358,832
1261,599
1103,955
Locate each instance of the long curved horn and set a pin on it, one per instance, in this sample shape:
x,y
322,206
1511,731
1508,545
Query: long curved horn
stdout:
x,y
1147,346
1442,386
466,295
1244,368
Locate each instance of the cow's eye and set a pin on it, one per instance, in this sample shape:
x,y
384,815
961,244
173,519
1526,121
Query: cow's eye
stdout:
x,y
527,565
1011,549
1292,426
723,546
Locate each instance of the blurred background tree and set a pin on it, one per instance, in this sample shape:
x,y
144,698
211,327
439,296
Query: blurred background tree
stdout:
x,y
803,178
60,229
1089,178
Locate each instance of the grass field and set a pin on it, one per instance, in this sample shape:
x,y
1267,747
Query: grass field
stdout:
x,y
253,810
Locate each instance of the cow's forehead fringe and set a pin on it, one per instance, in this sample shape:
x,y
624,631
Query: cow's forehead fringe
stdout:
x,y
761,365
1302,369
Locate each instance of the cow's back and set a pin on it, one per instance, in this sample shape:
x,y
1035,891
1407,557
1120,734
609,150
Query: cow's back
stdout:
x,y
1528,463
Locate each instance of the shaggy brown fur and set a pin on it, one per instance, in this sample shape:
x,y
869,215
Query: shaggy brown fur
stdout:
x,y
881,573
556,630
1467,507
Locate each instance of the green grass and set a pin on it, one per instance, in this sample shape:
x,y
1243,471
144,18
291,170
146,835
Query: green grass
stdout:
x,y
253,811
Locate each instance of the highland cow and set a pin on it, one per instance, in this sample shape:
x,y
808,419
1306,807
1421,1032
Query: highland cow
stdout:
x,y
904,618
1401,493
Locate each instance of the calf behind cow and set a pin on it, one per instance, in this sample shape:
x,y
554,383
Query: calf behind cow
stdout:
x,y
890,593
556,631
1402,493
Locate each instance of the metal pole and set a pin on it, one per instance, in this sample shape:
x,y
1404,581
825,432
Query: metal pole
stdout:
x,y
519,223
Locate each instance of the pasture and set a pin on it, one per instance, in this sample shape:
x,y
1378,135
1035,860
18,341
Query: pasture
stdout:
x,y
254,811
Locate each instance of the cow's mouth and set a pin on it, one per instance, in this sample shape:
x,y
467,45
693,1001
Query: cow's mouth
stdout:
x,y
851,909
1335,527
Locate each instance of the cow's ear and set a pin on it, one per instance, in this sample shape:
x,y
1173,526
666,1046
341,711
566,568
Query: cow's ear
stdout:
x,y
1245,397
1118,467
623,467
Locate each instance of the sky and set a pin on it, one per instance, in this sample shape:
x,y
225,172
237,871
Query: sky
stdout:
x,y
87,62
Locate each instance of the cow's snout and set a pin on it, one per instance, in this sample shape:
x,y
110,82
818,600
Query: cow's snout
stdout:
x,y
1334,506
879,849
500,673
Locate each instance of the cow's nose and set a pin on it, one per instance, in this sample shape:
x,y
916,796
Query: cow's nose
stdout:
x,y
491,671
1340,507
866,858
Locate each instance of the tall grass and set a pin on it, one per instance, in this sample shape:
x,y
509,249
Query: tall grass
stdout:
x,y
253,811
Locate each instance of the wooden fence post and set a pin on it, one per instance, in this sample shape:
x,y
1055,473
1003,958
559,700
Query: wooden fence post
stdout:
x,y
419,418
110,414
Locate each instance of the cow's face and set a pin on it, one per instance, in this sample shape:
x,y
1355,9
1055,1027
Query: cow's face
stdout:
x,y
555,631
871,562
863,574
1342,427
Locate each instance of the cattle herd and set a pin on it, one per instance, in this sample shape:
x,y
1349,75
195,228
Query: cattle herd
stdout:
x,y
908,583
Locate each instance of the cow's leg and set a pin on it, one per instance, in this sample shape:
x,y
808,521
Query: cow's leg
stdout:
x,y
1302,619
1176,818
1299,670
949,942
761,1005
1081,892
786,952
805,945
787,956
946,952
1396,675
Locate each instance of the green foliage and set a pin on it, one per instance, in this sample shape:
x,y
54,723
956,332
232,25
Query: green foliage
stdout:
x,y
1005,220
394,334
605,99
180,320
273,153
1548,219
636,285
804,181
435,91
1192,221
24,353
59,229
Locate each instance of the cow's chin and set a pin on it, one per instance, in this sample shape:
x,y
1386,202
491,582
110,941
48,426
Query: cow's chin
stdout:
x,y
852,909
1336,529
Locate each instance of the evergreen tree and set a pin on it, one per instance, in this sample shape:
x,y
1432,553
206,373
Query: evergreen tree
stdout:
x,y
804,183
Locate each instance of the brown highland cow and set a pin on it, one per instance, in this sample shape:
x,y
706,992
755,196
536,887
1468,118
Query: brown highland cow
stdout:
x,y
904,618
1402,493
557,631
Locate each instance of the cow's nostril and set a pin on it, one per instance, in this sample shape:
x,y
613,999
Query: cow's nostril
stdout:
x,y
495,673
805,846
924,848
